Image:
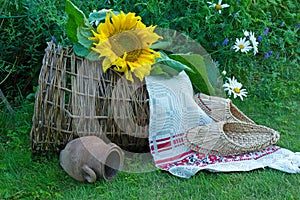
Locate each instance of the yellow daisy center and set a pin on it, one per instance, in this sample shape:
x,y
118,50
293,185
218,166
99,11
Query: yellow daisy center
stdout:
x,y
218,7
241,46
237,90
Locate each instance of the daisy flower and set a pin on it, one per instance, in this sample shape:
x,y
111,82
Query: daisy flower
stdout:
x,y
233,87
218,6
242,44
246,33
254,42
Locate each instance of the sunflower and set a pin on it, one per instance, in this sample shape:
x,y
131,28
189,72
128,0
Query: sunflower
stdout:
x,y
124,42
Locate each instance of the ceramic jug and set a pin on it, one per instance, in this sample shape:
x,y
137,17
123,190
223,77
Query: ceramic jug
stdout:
x,y
89,158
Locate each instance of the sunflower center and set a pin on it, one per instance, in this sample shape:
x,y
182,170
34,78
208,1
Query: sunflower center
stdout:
x,y
241,46
218,7
237,90
127,42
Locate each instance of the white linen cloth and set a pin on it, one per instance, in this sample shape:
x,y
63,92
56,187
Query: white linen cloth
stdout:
x,y
173,111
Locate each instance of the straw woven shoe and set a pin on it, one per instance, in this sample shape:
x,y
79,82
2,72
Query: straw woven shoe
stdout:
x,y
220,109
230,138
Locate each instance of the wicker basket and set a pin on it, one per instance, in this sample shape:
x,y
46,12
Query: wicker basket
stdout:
x,y
75,98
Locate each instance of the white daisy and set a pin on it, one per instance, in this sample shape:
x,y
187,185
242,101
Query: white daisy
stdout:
x,y
235,88
254,42
243,45
246,33
218,6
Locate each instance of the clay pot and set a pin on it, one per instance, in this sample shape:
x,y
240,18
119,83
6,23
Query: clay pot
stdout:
x,y
89,158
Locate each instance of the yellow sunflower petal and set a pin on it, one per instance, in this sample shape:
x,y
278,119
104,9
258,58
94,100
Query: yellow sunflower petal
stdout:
x,y
142,71
96,36
128,76
115,21
104,48
140,25
106,64
107,28
132,21
120,65
148,36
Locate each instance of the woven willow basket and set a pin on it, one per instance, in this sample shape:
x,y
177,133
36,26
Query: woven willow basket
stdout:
x,y
75,98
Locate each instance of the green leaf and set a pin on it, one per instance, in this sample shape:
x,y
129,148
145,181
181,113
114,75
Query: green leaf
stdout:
x,y
170,66
83,33
71,30
78,30
92,55
97,16
198,77
161,45
74,12
163,70
80,50
75,18
157,70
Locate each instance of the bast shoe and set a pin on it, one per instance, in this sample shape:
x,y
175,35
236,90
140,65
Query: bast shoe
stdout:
x,y
220,109
230,138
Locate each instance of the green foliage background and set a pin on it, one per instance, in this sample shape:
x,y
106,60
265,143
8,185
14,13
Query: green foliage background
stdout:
x,y
26,26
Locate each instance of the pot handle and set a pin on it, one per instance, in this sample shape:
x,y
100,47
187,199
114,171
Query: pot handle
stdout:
x,y
90,175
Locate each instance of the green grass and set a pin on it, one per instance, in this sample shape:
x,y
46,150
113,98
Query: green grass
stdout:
x,y
23,178
273,87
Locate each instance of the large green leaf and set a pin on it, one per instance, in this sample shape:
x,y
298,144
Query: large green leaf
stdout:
x,y
198,77
168,67
75,12
97,16
157,70
163,70
78,30
75,18
93,55
80,50
71,30
83,33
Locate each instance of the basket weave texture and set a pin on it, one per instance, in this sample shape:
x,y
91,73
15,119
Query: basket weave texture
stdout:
x,y
230,138
76,98
220,109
